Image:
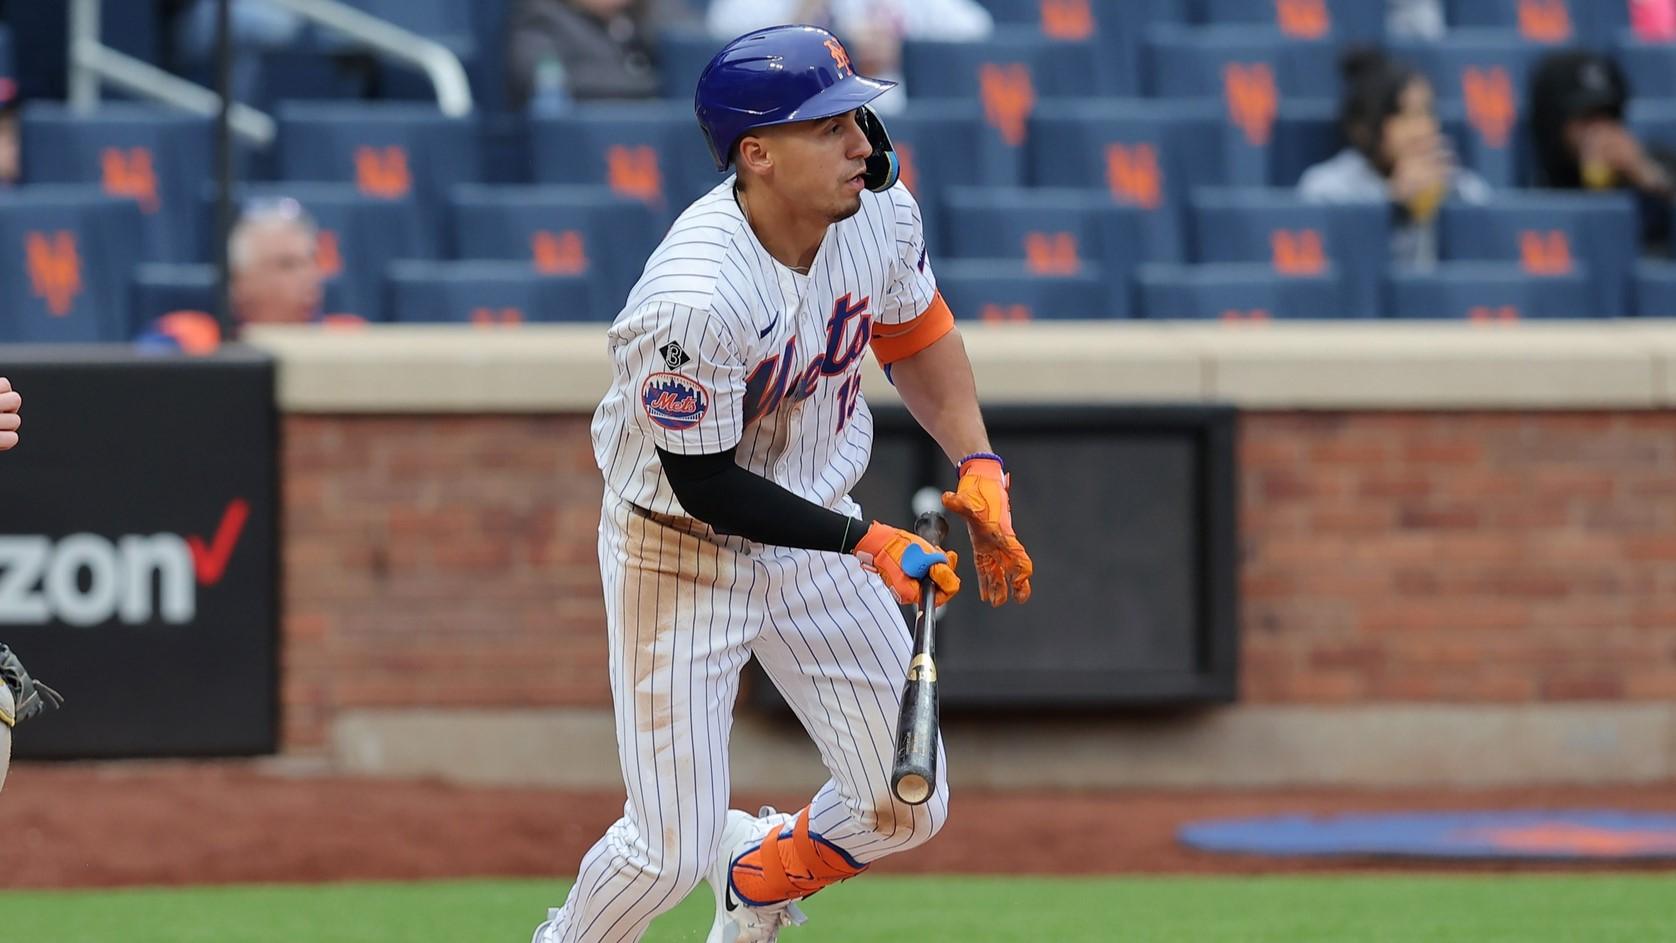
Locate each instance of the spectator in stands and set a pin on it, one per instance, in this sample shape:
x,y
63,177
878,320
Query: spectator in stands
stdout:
x,y
872,30
274,270
1397,154
563,50
11,143
1576,103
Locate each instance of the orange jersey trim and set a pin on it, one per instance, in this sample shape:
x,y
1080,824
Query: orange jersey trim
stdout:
x,y
895,342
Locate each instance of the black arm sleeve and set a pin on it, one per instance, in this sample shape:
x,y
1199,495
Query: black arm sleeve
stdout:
x,y
714,489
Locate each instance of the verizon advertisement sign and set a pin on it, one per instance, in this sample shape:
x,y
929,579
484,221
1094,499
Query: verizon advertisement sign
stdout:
x,y
137,550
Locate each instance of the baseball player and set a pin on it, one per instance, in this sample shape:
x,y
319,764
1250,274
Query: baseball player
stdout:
x,y
730,439
20,695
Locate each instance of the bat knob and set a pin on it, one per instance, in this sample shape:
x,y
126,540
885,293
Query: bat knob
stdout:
x,y
932,527
912,788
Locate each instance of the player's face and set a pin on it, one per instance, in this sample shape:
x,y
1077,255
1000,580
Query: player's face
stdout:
x,y
821,164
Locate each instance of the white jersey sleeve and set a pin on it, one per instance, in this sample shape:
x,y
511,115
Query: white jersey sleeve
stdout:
x,y
912,284
685,370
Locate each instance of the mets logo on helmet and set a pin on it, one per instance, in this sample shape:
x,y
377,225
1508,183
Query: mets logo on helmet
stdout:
x,y
839,56
674,401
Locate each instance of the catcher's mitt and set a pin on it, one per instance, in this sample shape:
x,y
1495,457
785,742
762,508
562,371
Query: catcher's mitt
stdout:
x,y
29,696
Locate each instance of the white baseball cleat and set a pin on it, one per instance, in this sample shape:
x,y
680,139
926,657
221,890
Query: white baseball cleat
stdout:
x,y
736,921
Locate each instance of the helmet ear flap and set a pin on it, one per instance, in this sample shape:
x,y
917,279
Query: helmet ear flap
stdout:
x,y
883,168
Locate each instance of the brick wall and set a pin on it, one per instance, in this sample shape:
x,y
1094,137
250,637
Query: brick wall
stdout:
x,y
449,561
1459,557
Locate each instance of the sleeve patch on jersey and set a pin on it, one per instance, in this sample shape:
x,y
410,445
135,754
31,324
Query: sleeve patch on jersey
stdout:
x,y
674,358
674,401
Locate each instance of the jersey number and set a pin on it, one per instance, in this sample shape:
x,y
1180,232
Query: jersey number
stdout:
x,y
849,394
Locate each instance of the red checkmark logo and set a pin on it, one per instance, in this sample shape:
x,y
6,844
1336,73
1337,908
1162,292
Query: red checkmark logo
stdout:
x,y
211,561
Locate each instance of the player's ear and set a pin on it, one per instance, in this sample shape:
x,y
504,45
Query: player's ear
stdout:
x,y
753,154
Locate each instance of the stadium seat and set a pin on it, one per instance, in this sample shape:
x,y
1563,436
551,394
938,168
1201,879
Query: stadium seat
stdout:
x,y
68,254
1145,153
1235,291
1306,133
1488,291
1011,75
1549,22
1653,120
683,52
1549,233
1655,289
388,150
161,288
559,230
1340,20
935,143
154,156
1649,68
652,151
1251,71
1479,78
1118,29
488,294
359,236
996,291
1051,232
1296,239
1054,68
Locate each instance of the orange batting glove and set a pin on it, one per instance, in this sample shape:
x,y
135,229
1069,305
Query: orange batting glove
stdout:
x,y
902,559
981,498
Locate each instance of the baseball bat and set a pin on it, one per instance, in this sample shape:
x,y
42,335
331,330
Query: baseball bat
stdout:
x,y
914,776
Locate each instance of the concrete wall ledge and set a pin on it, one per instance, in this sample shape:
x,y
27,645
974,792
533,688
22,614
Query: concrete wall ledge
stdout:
x,y
1371,745
1434,365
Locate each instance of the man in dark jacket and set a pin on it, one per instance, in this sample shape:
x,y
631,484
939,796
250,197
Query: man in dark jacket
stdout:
x,y
592,48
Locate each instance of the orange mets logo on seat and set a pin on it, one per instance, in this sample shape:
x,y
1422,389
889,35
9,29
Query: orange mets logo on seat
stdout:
x,y
1133,175
1252,99
558,253
632,170
382,172
130,173
1545,21
1489,101
1008,98
54,266
1303,19
1067,19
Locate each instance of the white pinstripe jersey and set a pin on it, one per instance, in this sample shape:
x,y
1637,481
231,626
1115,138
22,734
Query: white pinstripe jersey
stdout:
x,y
719,345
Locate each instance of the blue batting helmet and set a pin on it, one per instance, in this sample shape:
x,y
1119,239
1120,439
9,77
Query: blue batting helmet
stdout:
x,y
784,74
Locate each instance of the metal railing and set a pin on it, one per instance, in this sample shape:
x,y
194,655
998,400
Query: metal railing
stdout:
x,y
92,63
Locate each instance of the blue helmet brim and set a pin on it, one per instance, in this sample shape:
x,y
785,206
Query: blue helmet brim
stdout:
x,y
846,95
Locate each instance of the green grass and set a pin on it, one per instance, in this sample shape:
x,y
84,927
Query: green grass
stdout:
x,y
1363,909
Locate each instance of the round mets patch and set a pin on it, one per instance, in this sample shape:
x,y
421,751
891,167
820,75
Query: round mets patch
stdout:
x,y
674,401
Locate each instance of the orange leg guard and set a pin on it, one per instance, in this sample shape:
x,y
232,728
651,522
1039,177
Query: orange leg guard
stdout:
x,y
785,868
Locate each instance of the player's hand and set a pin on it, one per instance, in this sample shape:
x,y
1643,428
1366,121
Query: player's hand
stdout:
x,y
981,498
28,697
10,402
902,559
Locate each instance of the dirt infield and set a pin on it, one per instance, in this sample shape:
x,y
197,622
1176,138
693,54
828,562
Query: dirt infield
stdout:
x,y
110,824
